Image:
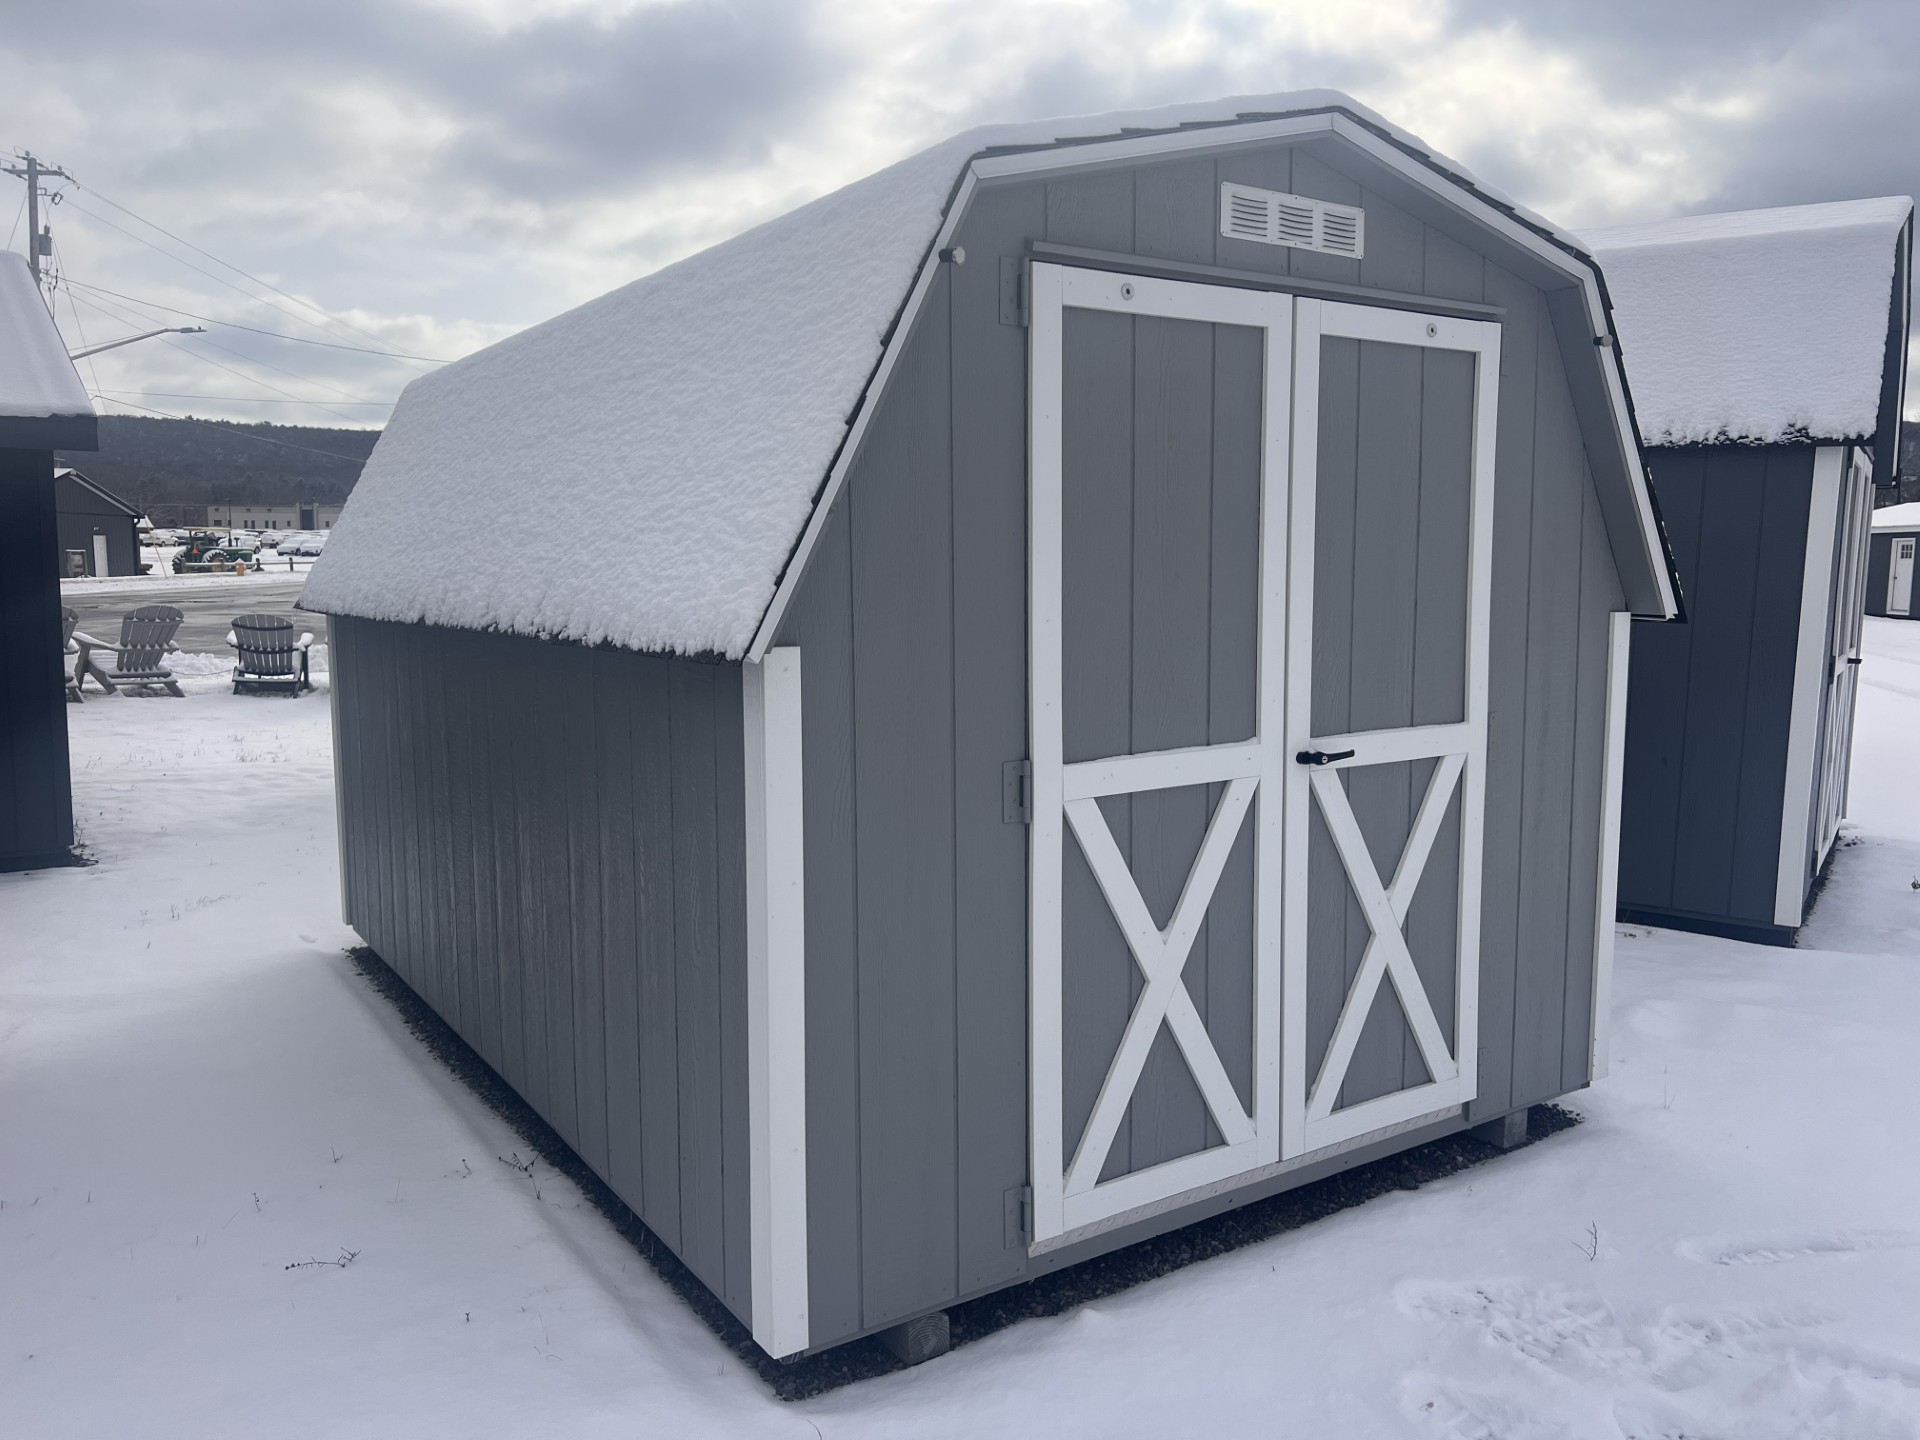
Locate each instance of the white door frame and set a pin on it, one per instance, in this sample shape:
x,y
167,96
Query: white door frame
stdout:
x,y
1811,655
1850,589
1067,1193
1894,544
1309,1120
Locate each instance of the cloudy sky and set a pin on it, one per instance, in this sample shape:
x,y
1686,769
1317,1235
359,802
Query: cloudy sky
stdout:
x,y
425,176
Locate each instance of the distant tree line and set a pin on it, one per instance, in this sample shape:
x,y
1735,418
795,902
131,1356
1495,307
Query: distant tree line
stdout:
x,y
1907,477
173,469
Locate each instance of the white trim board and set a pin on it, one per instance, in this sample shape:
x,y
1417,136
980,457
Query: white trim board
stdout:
x,y
1613,770
1420,173
1809,687
339,775
776,1000
1198,1193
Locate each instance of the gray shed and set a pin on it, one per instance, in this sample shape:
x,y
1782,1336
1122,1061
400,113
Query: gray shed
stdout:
x,y
1768,352
1082,687
1891,561
96,525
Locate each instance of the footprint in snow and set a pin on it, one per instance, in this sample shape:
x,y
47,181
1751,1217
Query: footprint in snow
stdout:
x,y
1780,1248
1553,1360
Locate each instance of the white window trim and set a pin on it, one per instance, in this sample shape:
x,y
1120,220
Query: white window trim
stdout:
x,y
776,1000
1809,688
1612,772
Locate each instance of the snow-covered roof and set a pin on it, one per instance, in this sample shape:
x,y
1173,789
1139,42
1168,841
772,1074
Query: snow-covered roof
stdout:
x,y
37,380
700,409
1760,326
1898,517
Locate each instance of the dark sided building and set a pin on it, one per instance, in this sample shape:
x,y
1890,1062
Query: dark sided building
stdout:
x,y
1104,700
1892,558
43,407
1768,355
99,532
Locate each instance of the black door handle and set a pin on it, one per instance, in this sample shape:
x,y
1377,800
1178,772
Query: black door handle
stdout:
x,y
1854,660
1321,757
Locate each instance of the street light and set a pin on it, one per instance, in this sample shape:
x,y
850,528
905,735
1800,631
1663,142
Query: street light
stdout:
x,y
129,339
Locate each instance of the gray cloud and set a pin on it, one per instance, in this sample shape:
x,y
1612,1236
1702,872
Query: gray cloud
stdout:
x,y
447,176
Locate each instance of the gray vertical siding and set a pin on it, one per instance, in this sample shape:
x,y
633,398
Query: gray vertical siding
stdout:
x,y
1710,701
546,842
1389,651
1162,431
911,616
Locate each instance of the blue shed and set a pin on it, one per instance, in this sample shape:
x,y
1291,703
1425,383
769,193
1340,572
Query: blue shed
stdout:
x,y
1768,351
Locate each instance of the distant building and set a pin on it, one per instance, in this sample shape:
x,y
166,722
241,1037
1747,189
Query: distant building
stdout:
x,y
304,516
98,531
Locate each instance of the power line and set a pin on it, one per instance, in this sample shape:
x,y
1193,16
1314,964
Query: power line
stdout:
x,y
198,270
80,329
256,330
264,284
229,429
241,375
238,355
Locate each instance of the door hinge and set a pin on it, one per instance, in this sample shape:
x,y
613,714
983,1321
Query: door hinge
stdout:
x,y
1016,792
1013,300
1019,1215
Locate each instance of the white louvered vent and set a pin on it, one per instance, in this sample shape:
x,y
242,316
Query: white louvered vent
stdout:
x,y
1272,218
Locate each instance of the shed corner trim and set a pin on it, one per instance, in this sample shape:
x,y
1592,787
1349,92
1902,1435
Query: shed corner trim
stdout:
x,y
776,1000
1612,774
1816,581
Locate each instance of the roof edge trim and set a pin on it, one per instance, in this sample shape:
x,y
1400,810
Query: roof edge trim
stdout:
x,y
1410,162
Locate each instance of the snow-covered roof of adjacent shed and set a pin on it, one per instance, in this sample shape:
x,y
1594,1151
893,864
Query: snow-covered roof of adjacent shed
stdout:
x,y
698,410
37,380
1759,327
1898,517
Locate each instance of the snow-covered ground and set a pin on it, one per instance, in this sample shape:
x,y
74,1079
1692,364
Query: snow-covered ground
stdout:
x,y
199,1098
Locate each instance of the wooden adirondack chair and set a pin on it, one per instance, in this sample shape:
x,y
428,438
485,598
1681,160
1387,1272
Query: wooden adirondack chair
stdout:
x,y
267,655
146,638
69,620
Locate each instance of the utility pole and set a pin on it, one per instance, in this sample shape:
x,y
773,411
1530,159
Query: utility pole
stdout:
x,y
39,241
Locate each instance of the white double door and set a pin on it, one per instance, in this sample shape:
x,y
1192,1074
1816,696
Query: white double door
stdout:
x,y
1259,538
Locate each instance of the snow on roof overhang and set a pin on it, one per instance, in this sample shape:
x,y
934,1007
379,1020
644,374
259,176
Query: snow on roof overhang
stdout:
x,y
724,398
1898,517
1762,326
43,405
